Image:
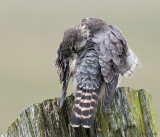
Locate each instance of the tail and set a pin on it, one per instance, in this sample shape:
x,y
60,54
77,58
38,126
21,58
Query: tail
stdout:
x,y
84,108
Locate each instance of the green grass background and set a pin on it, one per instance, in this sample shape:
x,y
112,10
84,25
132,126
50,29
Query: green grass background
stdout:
x,y
30,33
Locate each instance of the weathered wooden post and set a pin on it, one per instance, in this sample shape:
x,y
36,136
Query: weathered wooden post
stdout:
x,y
130,114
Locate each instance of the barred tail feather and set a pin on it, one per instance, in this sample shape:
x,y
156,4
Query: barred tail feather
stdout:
x,y
84,109
76,111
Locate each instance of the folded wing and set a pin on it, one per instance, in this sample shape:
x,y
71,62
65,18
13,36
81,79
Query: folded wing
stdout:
x,y
112,53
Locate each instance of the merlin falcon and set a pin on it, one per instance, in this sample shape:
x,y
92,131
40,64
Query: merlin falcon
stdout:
x,y
94,54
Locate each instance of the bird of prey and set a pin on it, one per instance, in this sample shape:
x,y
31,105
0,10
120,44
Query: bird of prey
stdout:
x,y
95,54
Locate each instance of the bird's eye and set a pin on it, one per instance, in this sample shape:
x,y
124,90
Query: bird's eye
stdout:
x,y
73,49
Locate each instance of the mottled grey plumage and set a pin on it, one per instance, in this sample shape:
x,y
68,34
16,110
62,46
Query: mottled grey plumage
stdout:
x,y
94,54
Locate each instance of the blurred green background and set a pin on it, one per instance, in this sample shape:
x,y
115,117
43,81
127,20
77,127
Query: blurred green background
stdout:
x,y
30,33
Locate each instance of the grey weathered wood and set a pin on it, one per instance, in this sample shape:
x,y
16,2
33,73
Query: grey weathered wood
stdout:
x,y
130,114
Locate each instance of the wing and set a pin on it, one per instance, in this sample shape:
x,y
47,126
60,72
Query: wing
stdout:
x,y
109,92
63,73
112,52
88,79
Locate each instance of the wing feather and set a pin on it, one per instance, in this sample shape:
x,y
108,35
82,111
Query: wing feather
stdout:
x,y
109,92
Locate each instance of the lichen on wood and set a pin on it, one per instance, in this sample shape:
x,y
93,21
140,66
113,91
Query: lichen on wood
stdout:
x,y
130,114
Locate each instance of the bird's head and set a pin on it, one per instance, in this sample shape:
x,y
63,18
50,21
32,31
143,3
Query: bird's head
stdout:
x,y
73,42
71,47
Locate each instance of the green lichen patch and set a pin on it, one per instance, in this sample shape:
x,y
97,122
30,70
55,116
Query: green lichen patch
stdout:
x,y
148,113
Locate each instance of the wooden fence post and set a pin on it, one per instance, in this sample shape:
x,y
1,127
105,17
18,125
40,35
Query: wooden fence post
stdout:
x,y
130,114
